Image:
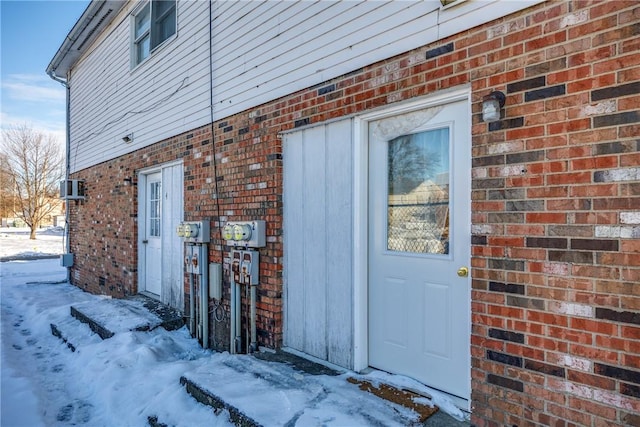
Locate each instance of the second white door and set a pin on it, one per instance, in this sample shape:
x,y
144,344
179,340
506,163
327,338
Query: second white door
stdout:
x,y
419,246
153,234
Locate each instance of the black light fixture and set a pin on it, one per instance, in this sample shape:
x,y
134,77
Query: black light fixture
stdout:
x,y
491,106
128,138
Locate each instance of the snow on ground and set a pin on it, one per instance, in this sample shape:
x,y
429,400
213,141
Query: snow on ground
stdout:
x,y
15,242
116,382
125,379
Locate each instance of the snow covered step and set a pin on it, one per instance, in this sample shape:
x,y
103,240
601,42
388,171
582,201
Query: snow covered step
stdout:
x,y
74,333
106,316
264,393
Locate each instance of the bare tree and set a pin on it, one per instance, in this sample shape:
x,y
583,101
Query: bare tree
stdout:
x,y
34,164
409,164
7,190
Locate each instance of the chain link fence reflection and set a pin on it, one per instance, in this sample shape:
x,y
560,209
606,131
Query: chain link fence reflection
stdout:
x,y
419,228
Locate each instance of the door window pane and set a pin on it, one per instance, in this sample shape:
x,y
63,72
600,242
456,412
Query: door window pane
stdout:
x,y
418,192
154,209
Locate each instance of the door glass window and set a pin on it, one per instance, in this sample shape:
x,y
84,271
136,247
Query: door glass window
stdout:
x,y
418,192
154,208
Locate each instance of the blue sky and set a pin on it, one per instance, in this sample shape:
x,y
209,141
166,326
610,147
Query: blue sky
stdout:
x,y
30,34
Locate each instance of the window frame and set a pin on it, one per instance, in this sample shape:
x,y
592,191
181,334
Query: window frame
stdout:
x,y
150,34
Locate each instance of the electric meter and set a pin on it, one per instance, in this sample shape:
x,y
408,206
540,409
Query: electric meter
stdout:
x,y
227,232
241,232
194,231
248,234
190,230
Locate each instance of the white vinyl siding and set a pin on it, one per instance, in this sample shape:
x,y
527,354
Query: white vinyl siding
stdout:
x,y
265,50
318,241
261,51
166,95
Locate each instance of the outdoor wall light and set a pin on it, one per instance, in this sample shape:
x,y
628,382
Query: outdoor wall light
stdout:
x,y
491,105
128,138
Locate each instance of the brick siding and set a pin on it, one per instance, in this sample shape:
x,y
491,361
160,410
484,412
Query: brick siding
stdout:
x,y
555,202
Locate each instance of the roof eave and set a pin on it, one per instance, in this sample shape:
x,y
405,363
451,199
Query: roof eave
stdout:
x,y
96,17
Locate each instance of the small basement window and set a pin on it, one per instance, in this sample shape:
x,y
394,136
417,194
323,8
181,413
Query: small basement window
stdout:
x,y
154,23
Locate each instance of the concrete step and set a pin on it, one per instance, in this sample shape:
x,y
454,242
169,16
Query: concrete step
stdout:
x,y
74,333
290,391
105,317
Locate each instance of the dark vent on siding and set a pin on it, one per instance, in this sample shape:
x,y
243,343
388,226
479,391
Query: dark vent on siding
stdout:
x,y
93,30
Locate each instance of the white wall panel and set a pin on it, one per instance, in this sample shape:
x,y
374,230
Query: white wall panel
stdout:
x,y
339,238
315,231
294,244
172,246
318,234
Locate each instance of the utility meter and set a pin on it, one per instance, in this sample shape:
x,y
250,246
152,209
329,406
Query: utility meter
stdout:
x,y
241,232
194,231
248,234
190,230
227,232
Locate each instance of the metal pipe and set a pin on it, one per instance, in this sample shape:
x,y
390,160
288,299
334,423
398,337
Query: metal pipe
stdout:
x,y
204,295
232,323
247,329
198,305
238,319
254,342
192,307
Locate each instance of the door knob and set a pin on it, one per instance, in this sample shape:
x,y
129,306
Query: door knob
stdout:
x,y
463,272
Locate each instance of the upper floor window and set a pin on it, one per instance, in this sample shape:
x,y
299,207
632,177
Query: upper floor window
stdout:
x,y
153,24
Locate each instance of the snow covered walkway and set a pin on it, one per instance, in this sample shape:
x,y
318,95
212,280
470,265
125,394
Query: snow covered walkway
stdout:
x,y
134,376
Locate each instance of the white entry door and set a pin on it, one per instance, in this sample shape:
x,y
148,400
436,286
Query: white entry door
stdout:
x,y
420,246
152,238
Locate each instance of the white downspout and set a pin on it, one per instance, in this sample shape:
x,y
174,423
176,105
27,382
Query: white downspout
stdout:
x,y
67,172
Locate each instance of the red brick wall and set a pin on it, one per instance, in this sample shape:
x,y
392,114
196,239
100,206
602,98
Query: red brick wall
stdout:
x,y
556,203
556,218
104,229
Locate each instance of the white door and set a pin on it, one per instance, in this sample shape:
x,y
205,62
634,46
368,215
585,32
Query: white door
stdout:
x,y
152,236
419,239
